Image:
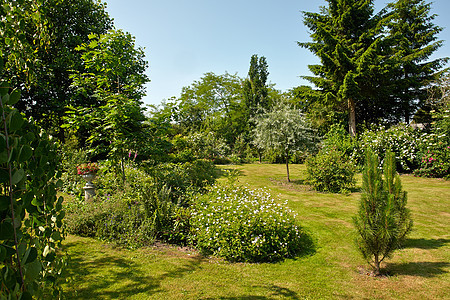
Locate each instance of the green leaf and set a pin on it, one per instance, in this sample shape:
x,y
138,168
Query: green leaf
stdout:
x,y
30,255
33,269
2,253
3,157
6,230
14,97
25,153
16,121
4,203
26,295
2,143
4,176
4,87
56,236
17,176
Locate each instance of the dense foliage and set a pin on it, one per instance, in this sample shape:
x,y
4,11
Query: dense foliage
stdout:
x,y
241,224
331,171
31,228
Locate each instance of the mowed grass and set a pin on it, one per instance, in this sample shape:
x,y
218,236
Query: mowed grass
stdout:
x,y
334,271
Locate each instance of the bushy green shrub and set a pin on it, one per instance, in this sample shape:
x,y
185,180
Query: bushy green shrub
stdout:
x,y
133,215
331,171
338,138
182,178
241,224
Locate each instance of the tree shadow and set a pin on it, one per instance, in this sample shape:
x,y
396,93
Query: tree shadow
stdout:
x,y
119,270
273,291
425,243
422,269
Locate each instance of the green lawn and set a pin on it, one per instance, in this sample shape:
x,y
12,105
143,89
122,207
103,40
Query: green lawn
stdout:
x,y
335,271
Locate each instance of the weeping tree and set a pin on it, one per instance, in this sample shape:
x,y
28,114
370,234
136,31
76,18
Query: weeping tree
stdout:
x,y
282,129
383,221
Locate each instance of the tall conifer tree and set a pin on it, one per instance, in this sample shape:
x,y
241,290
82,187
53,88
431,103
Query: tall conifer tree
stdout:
x,y
347,38
415,40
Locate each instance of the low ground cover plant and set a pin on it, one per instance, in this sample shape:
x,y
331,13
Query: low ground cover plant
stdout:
x,y
246,225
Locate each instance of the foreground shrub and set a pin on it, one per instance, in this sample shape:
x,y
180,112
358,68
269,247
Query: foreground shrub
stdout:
x,y
246,225
331,171
383,221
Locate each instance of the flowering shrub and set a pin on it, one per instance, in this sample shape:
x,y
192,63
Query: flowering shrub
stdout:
x,y
241,224
331,171
435,156
400,139
84,169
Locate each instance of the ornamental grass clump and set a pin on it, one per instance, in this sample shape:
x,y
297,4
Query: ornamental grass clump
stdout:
x,y
244,225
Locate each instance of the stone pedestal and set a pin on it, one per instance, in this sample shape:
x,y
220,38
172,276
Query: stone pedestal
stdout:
x,y
89,188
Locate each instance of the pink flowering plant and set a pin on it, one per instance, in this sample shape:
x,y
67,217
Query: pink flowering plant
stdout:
x,y
84,169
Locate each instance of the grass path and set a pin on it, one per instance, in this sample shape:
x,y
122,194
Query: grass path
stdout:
x,y
335,271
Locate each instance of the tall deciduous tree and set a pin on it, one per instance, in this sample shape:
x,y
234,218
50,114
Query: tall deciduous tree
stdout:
x,y
213,103
283,129
52,29
112,83
415,40
346,37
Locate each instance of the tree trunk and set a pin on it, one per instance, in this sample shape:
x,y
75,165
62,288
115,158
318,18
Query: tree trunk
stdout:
x,y
377,265
351,117
287,167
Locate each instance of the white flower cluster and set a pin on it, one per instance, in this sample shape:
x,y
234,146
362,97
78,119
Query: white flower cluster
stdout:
x,y
244,224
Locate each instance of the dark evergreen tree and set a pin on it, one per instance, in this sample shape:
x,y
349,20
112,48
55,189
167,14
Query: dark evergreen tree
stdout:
x,y
383,221
347,38
415,40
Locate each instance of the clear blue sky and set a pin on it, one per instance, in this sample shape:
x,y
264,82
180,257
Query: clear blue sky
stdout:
x,y
183,39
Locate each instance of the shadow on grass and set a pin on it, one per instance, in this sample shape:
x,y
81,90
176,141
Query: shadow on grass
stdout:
x,y
274,291
123,279
426,243
422,269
